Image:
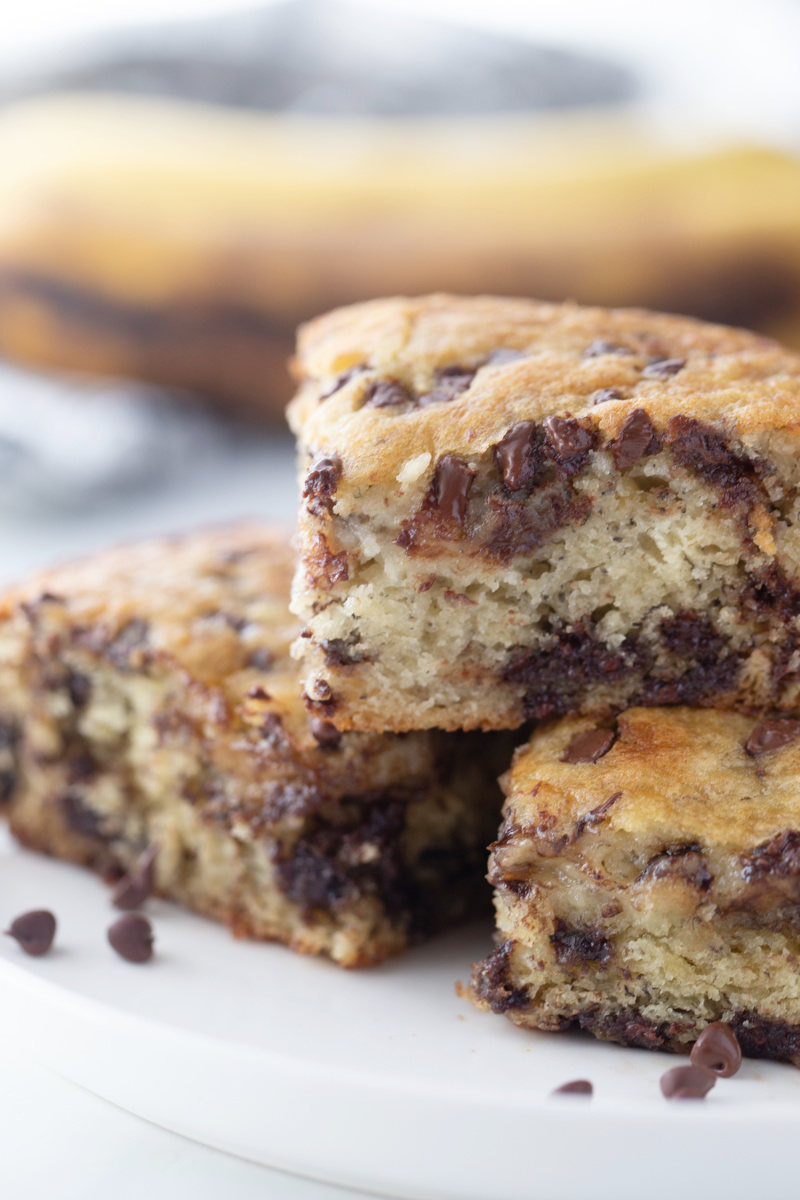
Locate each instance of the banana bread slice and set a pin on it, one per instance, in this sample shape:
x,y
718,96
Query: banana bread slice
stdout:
x,y
647,880
148,695
517,510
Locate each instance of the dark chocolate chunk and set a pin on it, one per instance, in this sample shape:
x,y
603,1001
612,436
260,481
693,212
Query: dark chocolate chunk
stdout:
x,y
662,368
775,860
512,454
386,393
718,1050
701,448
34,931
594,817
772,734
682,862
326,734
321,484
137,886
340,652
599,348
637,439
320,690
132,938
576,1087
567,437
451,487
125,651
589,746
79,688
261,659
687,1083
491,980
450,382
604,395
503,355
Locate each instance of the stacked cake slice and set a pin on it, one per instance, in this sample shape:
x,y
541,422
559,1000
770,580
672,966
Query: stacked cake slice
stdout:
x,y
147,696
515,510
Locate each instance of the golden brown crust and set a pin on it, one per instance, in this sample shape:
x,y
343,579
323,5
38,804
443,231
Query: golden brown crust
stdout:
x,y
747,382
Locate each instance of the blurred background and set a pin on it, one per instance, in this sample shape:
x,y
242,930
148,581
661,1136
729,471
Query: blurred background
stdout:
x,y
182,182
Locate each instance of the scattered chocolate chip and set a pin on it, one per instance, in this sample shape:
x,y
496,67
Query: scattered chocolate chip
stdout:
x,y
637,439
662,368
386,393
34,931
512,453
451,487
326,734
589,746
321,483
576,1087
503,355
137,886
687,1083
772,734
718,1050
567,437
258,693
132,938
450,382
79,689
599,348
605,395
320,690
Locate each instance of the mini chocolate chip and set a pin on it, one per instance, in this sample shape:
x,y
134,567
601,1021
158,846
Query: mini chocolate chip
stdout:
x,y
451,487
589,746
687,1083
718,1050
511,454
320,690
567,437
325,733
599,348
772,734
386,393
132,938
137,886
576,1087
503,355
605,395
34,931
662,368
636,439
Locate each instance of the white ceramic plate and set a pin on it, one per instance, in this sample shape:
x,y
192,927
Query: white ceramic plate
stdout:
x,y
383,1079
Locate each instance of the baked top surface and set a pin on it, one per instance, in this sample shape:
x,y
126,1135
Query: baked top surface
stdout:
x,y
747,382
681,770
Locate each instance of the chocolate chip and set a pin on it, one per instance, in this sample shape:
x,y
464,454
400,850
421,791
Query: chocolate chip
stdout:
x,y
687,1083
320,690
339,382
34,931
512,453
567,437
321,484
599,348
503,355
636,439
589,746
450,382
662,368
326,734
261,659
135,887
718,1050
386,393
576,1087
451,487
772,734
132,938
605,395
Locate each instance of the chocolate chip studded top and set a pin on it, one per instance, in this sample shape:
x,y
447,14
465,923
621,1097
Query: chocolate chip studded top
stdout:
x,y
591,367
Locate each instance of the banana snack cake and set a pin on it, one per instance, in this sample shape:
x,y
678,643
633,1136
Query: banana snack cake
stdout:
x,y
517,510
148,696
647,881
